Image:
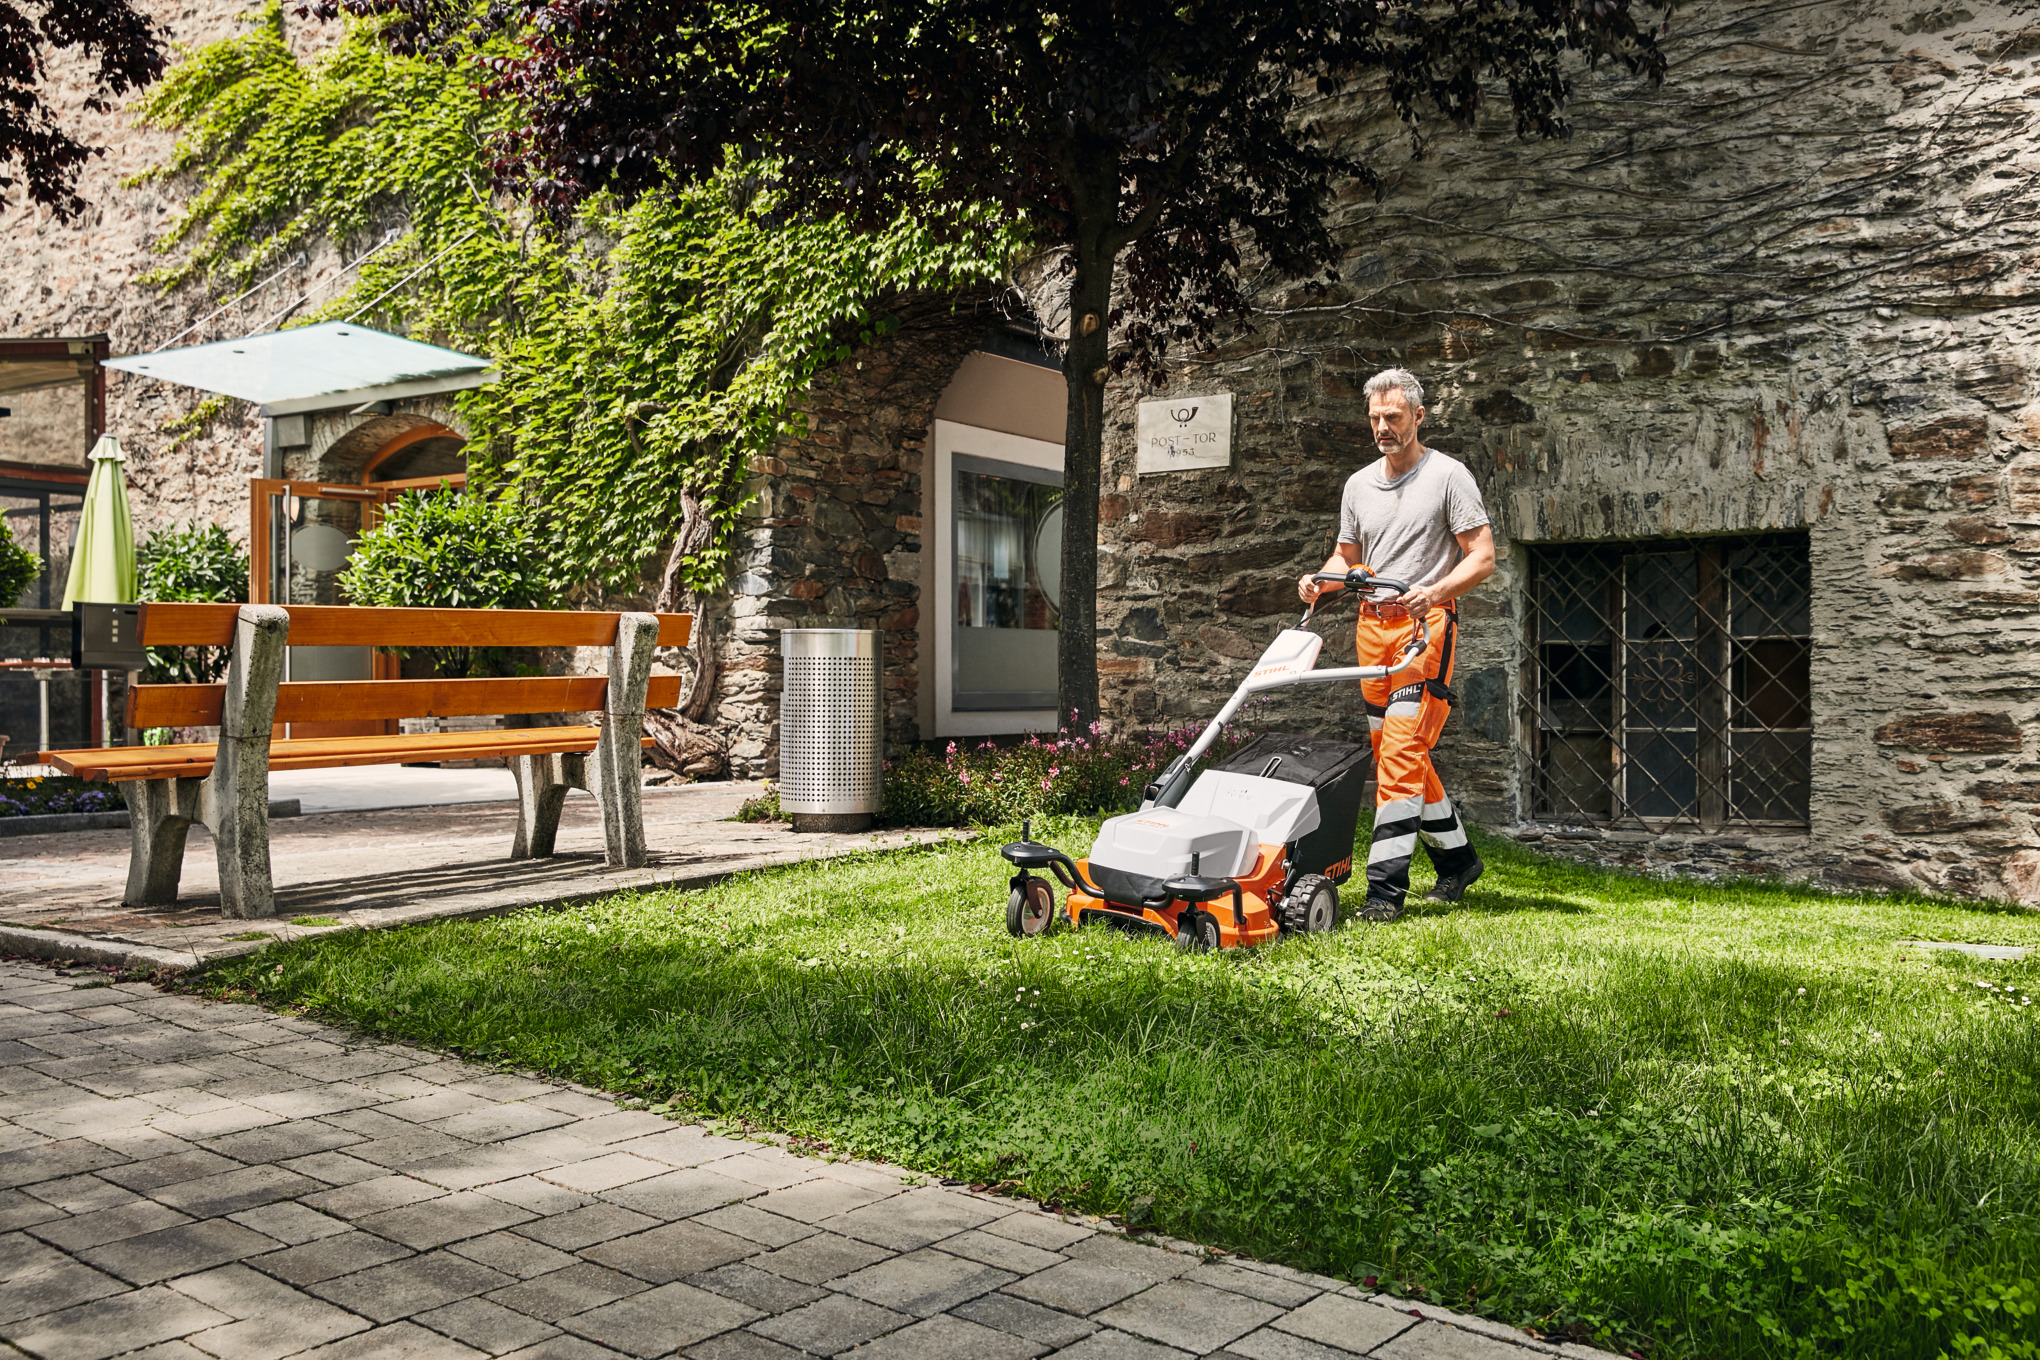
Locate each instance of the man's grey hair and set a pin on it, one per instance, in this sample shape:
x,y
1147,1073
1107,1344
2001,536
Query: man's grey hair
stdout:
x,y
1399,378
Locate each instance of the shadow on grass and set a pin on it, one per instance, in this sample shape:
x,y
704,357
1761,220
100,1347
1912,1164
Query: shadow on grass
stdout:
x,y
1499,904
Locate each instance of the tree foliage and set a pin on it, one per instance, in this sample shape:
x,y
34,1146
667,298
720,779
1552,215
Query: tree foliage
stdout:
x,y
450,549
643,350
1165,148
196,564
126,54
19,568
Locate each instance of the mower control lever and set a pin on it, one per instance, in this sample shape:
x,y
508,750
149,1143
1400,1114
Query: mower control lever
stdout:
x,y
1359,580
1363,580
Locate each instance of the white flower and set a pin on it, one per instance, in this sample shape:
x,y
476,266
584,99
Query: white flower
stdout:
x,y
1802,991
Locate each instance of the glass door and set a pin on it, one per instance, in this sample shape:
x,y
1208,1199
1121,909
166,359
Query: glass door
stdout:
x,y
300,537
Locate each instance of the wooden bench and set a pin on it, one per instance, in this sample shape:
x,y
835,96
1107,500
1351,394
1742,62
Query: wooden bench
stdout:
x,y
224,785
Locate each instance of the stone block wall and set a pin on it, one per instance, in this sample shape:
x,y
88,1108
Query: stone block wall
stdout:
x,y
1792,289
832,529
86,277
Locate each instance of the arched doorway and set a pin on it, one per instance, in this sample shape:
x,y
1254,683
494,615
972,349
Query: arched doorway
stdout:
x,y
305,533
418,456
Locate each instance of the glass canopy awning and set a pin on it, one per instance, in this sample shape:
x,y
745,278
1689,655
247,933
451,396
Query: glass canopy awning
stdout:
x,y
314,368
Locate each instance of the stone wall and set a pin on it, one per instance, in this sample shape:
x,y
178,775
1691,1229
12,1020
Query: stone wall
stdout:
x,y
832,530
1791,289
86,277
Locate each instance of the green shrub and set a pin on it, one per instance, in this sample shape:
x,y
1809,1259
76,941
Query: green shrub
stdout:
x,y
19,568
194,565
763,808
988,784
449,549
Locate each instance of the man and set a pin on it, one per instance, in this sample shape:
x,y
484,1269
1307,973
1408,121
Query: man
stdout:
x,y
1414,516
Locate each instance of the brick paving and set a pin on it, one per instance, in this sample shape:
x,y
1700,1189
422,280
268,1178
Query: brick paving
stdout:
x,y
182,1179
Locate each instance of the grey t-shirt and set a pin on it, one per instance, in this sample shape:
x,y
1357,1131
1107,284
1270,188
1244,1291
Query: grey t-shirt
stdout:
x,y
1405,528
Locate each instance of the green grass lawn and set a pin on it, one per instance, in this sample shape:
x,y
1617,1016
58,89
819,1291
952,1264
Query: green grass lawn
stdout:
x,y
1697,1120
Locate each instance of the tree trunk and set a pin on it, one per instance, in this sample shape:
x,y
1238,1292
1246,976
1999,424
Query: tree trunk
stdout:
x,y
1084,373
681,741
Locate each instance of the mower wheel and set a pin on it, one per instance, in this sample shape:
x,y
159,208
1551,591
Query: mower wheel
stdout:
x,y
1030,909
1312,906
1197,932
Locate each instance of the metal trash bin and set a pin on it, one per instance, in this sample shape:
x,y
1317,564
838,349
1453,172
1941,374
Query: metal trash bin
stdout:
x,y
831,728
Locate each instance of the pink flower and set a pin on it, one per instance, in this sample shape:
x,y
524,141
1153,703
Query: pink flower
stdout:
x,y
1044,786
1122,782
952,750
1054,770
963,778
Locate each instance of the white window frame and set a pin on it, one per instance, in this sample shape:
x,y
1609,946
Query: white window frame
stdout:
x,y
952,439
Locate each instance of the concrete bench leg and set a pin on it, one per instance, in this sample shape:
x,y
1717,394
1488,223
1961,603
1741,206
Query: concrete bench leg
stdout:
x,y
542,784
619,752
234,801
160,814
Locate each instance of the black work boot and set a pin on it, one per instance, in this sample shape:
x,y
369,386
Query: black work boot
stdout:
x,y
1380,909
1452,887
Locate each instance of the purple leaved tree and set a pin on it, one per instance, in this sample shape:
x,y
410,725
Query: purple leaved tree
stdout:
x,y
1155,146
35,151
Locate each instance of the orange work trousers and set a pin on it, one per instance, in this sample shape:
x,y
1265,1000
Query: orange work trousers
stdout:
x,y
1405,714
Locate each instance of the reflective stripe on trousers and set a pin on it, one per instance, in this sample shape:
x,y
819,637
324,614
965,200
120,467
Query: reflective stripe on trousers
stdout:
x,y
1405,717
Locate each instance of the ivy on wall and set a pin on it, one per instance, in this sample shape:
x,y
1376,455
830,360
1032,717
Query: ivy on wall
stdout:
x,y
642,351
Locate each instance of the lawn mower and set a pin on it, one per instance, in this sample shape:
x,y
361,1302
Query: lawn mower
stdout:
x,y
1253,848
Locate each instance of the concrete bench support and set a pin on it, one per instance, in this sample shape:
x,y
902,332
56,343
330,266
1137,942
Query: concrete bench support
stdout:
x,y
619,757
542,784
233,801
613,771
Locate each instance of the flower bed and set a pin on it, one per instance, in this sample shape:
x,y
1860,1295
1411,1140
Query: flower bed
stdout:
x,y
986,783
41,797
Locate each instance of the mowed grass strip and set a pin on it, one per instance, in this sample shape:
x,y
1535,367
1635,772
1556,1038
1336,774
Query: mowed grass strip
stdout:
x,y
1698,1120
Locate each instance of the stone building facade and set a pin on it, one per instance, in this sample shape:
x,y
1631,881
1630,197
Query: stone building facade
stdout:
x,y
1771,320
1790,294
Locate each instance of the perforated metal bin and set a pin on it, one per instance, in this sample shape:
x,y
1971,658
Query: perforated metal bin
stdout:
x,y
831,728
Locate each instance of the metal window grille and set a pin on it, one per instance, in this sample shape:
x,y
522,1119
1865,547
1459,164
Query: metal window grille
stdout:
x,y
1668,683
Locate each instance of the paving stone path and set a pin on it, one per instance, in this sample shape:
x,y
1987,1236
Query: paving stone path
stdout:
x,y
182,1179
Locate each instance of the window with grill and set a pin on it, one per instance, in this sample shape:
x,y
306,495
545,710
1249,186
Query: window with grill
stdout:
x,y
1669,682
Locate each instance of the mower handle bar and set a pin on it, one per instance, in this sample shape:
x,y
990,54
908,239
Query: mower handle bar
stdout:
x,y
1170,786
1359,580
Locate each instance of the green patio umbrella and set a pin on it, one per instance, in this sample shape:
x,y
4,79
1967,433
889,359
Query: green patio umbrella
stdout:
x,y
103,552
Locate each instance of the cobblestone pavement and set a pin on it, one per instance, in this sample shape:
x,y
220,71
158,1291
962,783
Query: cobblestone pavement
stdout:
x,y
181,1178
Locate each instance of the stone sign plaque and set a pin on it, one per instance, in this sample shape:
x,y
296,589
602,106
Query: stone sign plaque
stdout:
x,y
1180,434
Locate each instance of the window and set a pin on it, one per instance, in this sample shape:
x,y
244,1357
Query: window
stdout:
x,y
1008,556
1670,682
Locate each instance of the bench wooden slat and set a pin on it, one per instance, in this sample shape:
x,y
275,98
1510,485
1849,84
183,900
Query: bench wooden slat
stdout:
x,y
326,625
348,700
318,753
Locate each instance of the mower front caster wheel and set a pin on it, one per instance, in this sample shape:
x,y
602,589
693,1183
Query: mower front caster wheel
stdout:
x,y
1312,906
1030,909
1197,932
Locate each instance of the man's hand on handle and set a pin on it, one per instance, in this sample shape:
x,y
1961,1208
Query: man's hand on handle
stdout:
x,y
1344,558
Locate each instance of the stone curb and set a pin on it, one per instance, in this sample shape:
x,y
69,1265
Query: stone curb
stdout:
x,y
57,944
106,821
